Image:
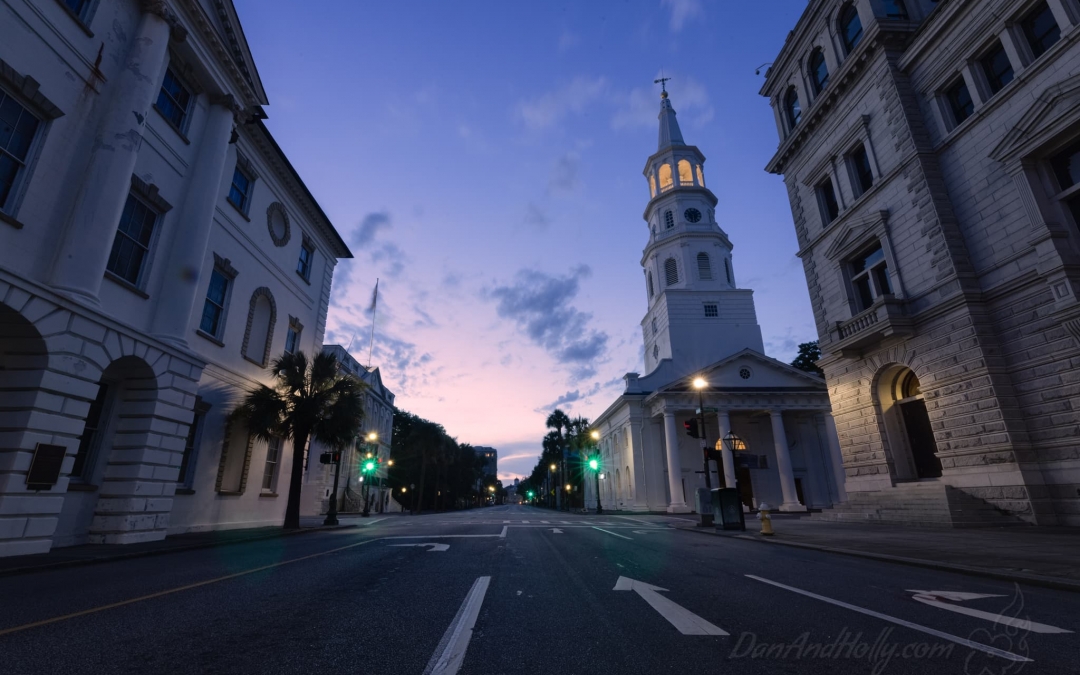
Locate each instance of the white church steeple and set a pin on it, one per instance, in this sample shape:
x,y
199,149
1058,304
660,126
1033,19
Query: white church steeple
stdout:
x,y
696,314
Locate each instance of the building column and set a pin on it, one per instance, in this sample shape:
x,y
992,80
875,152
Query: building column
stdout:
x,y
783,464
84,250
836,457
724,420
191,230
671,440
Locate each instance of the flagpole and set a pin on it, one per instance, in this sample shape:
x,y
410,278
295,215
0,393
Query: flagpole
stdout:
x,y
374,305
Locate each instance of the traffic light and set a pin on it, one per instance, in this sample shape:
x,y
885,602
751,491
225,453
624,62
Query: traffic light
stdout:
x,y
594,464
369,466
691,428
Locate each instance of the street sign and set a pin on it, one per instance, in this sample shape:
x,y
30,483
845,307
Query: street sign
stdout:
x,y
697,411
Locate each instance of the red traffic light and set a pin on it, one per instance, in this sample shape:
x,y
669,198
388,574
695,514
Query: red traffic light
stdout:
x,y
691,428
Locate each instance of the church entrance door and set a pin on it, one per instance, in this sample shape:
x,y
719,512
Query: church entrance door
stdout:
x,y
746,488
921,439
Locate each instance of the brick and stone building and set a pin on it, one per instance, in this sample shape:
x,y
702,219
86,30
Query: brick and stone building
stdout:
x,y
931,154
157,250
699,324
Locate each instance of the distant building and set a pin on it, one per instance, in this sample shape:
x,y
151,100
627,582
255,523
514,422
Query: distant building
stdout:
x,y
378,419
931,154
491,466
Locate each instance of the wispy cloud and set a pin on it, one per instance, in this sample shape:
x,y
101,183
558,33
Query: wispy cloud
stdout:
x,y
638,107
682,11
540,305
564,173
572,98
369,227
569,398
536,216
568,40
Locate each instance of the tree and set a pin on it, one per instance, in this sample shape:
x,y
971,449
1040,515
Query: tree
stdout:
x,y
309,400
809,353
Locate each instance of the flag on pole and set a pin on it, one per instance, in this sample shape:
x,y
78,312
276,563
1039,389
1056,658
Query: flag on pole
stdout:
x,y
374,297
374,302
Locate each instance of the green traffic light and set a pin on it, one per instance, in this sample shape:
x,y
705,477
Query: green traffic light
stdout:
x,y
369,466
594,464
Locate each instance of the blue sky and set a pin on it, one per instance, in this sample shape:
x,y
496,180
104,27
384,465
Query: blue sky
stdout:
x,y
483,160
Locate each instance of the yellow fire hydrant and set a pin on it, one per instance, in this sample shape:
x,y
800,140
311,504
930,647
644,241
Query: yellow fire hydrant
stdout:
x,y
766,522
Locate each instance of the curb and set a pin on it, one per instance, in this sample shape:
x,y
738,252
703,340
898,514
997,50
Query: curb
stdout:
x,y
29,569
1017,577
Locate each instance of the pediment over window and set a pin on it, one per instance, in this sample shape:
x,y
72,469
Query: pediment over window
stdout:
x,y
1056,109
856,234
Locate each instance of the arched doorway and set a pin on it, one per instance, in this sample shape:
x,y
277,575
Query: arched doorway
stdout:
x,y
907,424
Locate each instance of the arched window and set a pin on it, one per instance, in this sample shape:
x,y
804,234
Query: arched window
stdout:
x,y
727,271
665,177
652,186
792,107
700,176
671,272
703,268
850,27
686,173
669,219
819,71
650,285
259,334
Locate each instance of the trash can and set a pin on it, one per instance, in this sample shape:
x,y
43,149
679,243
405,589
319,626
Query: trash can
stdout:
x,y
703,502
727,509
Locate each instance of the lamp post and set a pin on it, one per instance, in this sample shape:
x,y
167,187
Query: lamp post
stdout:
x,y
700,384
552,499
372,439
331,513
733,444
594,464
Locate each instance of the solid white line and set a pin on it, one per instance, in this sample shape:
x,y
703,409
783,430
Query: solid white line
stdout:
x,y
444,536
612,533
502,535
643,522
451,650
994,651
372,522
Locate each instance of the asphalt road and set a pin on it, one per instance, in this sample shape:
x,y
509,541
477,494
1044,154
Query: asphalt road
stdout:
x,y
520,590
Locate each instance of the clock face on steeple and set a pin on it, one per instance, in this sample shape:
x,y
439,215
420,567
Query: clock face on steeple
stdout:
x,y
692,215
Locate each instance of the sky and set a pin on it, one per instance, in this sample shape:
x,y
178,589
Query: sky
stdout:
x,y
483,161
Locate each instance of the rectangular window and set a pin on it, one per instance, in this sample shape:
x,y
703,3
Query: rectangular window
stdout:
x,y
827,200
292,338
895,9
214,306
1066,167
711,311
960,103
187,462
307,256
1040,29
240,191
870,277
91,436
132,243
174,100
860,169
273,458
996,67
18,128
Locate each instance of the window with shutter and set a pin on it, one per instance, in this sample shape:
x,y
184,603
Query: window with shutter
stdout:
x,y
703,268
671,272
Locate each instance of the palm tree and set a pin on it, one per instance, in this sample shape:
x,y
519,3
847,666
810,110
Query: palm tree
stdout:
x,y
308,401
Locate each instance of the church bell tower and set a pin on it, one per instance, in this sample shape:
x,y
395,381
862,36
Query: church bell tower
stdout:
x,y
697,316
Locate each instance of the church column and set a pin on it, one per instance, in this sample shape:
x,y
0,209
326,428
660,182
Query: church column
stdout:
x,y
191,231
724,421
84,251
671,440
836,458
783,464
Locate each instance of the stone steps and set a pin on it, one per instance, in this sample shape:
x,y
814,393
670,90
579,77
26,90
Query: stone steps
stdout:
x,y
932,505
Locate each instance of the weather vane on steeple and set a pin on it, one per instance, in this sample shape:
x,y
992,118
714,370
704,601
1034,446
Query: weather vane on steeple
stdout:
x,y
663,84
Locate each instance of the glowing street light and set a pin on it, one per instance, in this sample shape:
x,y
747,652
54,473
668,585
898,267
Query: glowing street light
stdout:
x,y
699,383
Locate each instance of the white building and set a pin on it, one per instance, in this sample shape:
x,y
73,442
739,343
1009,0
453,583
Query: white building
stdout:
x,y
157,250
378,420
699,323
931,153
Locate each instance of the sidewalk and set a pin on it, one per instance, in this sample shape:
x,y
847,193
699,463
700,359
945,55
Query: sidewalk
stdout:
x,y
1046,556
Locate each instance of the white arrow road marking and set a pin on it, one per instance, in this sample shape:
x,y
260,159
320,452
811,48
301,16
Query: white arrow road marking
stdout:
x,y
451,650
994,651
685,621
612,533
556,530
434,547
934,599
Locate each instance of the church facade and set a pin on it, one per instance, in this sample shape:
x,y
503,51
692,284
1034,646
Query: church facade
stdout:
x,y
931,154
700,324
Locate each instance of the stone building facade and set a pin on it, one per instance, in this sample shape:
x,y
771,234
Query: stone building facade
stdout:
x,y
699,324
930,153
157,249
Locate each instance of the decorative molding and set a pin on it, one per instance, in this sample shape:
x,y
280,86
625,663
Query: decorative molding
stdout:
x,y
262,291
1073,326
1054,111
27,88
858,233
278,208
149,192
225,265
247,167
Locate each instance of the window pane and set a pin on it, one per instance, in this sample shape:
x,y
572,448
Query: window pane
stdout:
x,y
861,163
998,70
132,240
1041,30
960,101
881,279
77,6
10,111
9,168
828,200
850,27
216,290
189,449
210,318
819,70
867,261
1067,167
894,9
794,110
90,431
173,99
862,290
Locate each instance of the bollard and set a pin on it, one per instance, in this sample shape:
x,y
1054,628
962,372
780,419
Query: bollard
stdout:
x,y
766,522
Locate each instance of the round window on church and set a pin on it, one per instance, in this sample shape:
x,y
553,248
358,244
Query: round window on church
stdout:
x,y
692,215
277,220
744,373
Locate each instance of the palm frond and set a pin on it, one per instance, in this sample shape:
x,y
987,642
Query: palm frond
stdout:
x,y
265,412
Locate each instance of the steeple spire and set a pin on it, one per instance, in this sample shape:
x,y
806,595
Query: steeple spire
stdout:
x,y
670,134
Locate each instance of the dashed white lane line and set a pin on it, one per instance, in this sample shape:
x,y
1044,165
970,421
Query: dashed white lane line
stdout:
x,y
451,650
612,533
502,535
994,651
372,522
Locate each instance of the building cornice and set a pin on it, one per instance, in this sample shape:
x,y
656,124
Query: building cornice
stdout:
x,y
251,95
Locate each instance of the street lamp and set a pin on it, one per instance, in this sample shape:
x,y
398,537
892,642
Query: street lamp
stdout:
x,y
331,513
732,444
700,384
551,485
370,470
594,464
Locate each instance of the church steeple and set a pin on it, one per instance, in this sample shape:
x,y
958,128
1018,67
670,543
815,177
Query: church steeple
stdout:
x,y
670,134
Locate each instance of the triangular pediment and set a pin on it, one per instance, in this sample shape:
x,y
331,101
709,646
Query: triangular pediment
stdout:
x,y
750,369
222,16
1056,109
857,233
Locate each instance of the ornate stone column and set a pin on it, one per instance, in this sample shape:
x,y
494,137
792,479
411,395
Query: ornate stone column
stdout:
x,y
724,420
677,504
783,464
836,457
191,231
84,250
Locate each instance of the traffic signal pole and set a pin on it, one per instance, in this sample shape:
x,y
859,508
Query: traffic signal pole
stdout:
x,y
331,513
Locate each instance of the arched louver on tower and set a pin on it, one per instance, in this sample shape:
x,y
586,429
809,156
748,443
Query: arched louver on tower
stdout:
x,y
650,285
686,172
666,180
703,268
669,219
727,271
671,272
